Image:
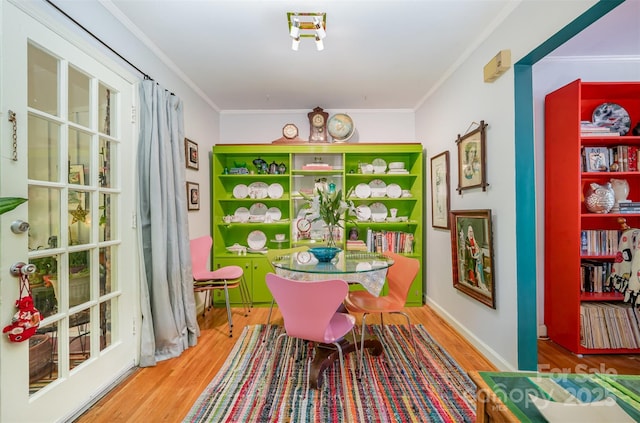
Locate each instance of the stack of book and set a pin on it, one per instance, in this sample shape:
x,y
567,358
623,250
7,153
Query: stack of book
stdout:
x,y
609,325
629,206
590,129
357,245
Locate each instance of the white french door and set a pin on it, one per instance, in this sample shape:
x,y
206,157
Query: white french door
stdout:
x,y
70,150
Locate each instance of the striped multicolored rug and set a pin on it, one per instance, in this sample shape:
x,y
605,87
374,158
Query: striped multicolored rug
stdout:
x,y
258,383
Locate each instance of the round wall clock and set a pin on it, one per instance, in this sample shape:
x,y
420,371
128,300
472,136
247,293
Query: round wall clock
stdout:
x,y
318,125
290,131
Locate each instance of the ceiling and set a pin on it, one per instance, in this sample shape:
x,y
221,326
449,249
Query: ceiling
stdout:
x,y
387,54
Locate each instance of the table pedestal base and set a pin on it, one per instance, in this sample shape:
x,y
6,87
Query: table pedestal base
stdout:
x,y
326,354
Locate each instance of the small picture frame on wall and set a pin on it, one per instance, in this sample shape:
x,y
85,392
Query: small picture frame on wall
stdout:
x,y
193,196
191,154
472,169
440,203
472,254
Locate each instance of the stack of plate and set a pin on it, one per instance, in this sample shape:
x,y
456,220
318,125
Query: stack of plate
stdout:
x,y
397,168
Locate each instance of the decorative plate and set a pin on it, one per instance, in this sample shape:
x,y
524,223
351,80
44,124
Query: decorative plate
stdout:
x,y
256,240
396,165
612,116
379,166
240,191
394,191
363,191
275,190
340,126
258,190
258,209
274,213
378,188
378,212
242,214
363,212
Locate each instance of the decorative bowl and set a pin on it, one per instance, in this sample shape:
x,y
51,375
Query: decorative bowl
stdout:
x,y
324,254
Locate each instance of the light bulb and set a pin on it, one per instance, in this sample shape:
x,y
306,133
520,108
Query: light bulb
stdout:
x,y
320,32
295,29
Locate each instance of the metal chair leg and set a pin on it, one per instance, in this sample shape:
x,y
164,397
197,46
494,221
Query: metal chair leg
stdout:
x,y
226,298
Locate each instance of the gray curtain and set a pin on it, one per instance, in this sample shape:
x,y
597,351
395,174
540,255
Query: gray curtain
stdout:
x,y
169,323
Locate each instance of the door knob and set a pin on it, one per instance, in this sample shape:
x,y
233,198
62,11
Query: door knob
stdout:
x,y
20,268
19,227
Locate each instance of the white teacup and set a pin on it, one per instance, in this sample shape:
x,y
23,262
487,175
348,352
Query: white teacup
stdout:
x,y
279,237
394,213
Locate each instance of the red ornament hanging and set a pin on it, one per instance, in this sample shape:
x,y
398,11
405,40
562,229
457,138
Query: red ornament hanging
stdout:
x,y
25,322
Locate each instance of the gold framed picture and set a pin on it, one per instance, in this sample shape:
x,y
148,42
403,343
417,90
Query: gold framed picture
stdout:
x,y
472,254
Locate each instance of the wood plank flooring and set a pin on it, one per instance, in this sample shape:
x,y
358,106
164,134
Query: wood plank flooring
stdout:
x,y
166,392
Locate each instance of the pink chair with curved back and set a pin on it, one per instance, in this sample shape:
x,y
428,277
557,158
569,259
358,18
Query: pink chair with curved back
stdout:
x,y
205,280
309,310
400,276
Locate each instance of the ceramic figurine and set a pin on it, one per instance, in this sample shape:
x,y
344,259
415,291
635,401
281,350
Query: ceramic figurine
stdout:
x,y
620,192
599,198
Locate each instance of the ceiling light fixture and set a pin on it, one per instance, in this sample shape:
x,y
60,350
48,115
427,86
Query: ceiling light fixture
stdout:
x,y
307,25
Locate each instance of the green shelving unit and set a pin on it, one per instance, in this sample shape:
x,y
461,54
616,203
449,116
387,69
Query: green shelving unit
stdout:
x,y
305,165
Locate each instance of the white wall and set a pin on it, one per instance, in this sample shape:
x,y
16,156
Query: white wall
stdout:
x,y
264,126
462,99
549,75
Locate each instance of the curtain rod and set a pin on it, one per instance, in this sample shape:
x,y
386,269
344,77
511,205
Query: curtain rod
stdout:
x,y
146,76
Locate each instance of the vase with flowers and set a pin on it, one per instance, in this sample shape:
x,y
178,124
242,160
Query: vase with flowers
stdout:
x,y
328,205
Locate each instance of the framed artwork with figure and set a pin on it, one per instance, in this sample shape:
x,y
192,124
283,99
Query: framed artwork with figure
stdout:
x,y
193,196
191,154
472,254
472,169
440,202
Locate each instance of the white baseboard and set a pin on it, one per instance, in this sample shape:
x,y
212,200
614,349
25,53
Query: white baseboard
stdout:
x,y
495,358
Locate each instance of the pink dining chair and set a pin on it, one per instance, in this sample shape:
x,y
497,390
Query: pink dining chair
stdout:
x,y
400,276
227,277
309,310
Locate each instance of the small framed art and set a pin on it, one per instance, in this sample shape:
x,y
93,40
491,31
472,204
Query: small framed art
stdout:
x,y
440,202
596,159
472,254
472,167
191,154
193,196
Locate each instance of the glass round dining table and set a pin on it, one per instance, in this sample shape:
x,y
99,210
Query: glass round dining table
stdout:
x,y
367,269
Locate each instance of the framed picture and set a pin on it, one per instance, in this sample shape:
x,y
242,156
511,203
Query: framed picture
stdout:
x,y
471,159
193,196
191,154
472,254
440,203
596,159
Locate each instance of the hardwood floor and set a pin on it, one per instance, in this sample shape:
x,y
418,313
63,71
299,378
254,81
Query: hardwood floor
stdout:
x,y
166,392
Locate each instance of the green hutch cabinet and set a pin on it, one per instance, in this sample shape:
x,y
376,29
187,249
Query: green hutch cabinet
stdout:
x,y
256,196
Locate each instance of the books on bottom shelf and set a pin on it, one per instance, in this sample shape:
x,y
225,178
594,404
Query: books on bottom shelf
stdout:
x,y
394,241
609,325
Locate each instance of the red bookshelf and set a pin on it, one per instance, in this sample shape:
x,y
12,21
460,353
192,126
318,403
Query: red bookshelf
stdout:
x,y
565,213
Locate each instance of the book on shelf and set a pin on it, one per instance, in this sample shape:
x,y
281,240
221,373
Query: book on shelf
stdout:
x,y
609,325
